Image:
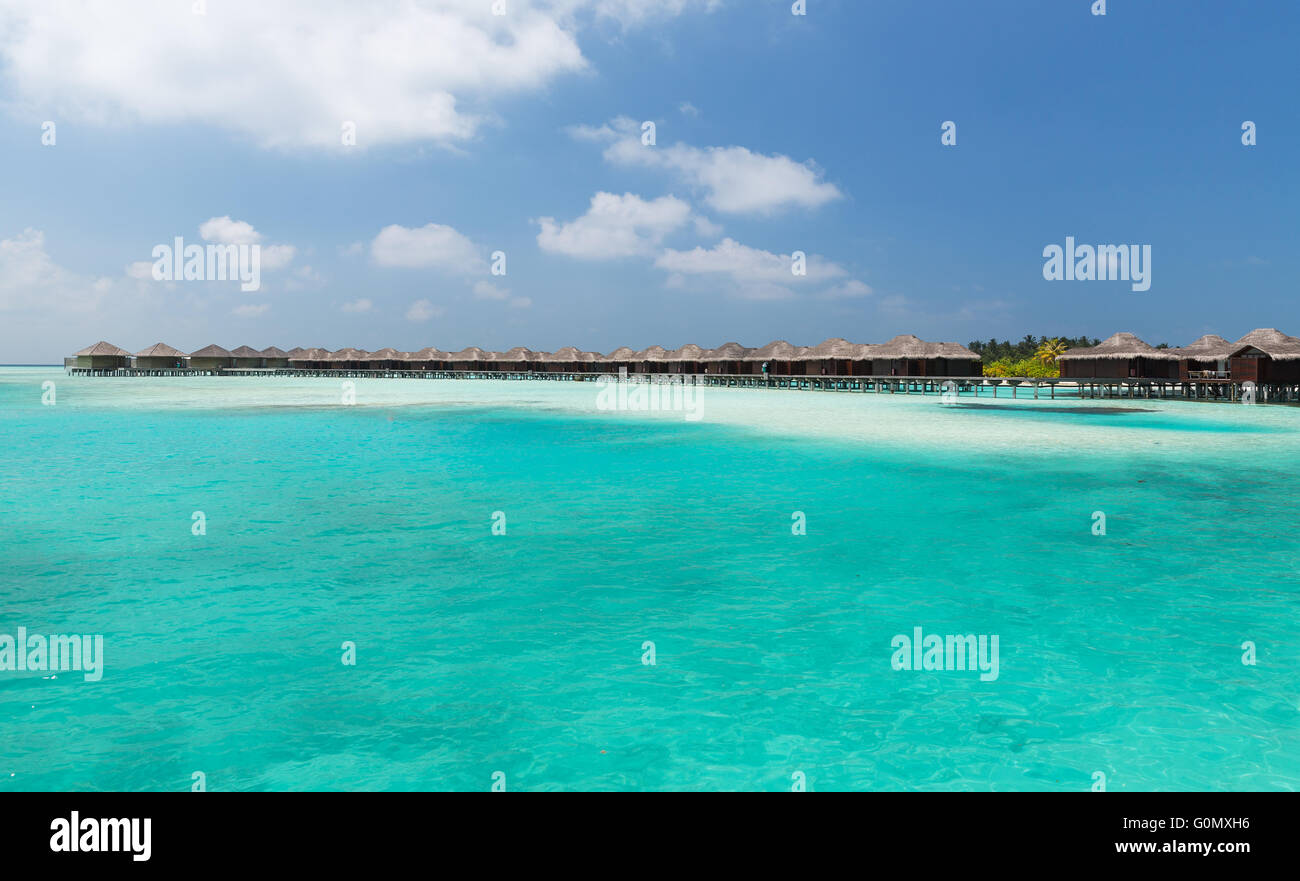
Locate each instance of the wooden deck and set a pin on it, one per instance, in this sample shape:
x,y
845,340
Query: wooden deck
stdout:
x,y
1216,389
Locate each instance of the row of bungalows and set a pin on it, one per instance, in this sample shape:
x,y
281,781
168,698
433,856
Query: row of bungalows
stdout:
x,y
902,356
1265,356
160,356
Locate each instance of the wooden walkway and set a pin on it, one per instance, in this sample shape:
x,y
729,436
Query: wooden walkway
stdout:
x,y
974,386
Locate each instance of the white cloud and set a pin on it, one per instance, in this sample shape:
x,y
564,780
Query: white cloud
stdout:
x,y
430,246
688,109
250,310
225,231
851,289
287,74
615,226
754,274
304,277
707,229
277,256
358,306
142,269
734,180
485,290
632,12
30,280
746,264
423,310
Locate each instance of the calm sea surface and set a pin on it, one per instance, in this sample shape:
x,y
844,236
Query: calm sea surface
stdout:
x,y
524,653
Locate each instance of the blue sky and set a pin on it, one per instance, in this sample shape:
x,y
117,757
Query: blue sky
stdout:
x,y
775,133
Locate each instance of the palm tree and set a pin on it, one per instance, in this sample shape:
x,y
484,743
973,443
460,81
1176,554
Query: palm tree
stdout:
x,y
1049,349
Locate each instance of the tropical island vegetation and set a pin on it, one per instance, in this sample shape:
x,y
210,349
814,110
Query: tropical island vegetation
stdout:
x,y
1031,357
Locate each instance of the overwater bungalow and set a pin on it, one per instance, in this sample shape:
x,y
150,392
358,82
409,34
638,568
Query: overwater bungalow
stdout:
x,y
781,359
688,359
159,356
211,357
473,358
620,357
1121,355
1266,356
728,358
838,357
308,359
1207,358
430,358
517,359
651,360
386,358
906,355
349,359
101,356
245,356
565,360
276,358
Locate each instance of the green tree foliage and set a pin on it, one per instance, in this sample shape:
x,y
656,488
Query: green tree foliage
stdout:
x,y
1029,357
1000,350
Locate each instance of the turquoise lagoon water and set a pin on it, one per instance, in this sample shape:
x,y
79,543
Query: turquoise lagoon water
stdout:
x,y
523,653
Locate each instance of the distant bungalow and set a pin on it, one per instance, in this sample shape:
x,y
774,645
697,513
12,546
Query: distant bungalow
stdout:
x,y
101,356
904,355
275,358
245,356
1121,355
211,357
1265,356
159,356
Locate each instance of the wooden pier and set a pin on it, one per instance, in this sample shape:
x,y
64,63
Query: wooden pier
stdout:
x,y
1216,389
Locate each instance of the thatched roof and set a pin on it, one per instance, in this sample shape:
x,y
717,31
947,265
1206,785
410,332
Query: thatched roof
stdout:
x,y
517,355
902,346
837,347
160,350
212,351
777,350
103,348
1271,342
1210,347
726,352
953,352
565,355
905,345
688,352
654,353
1117,346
